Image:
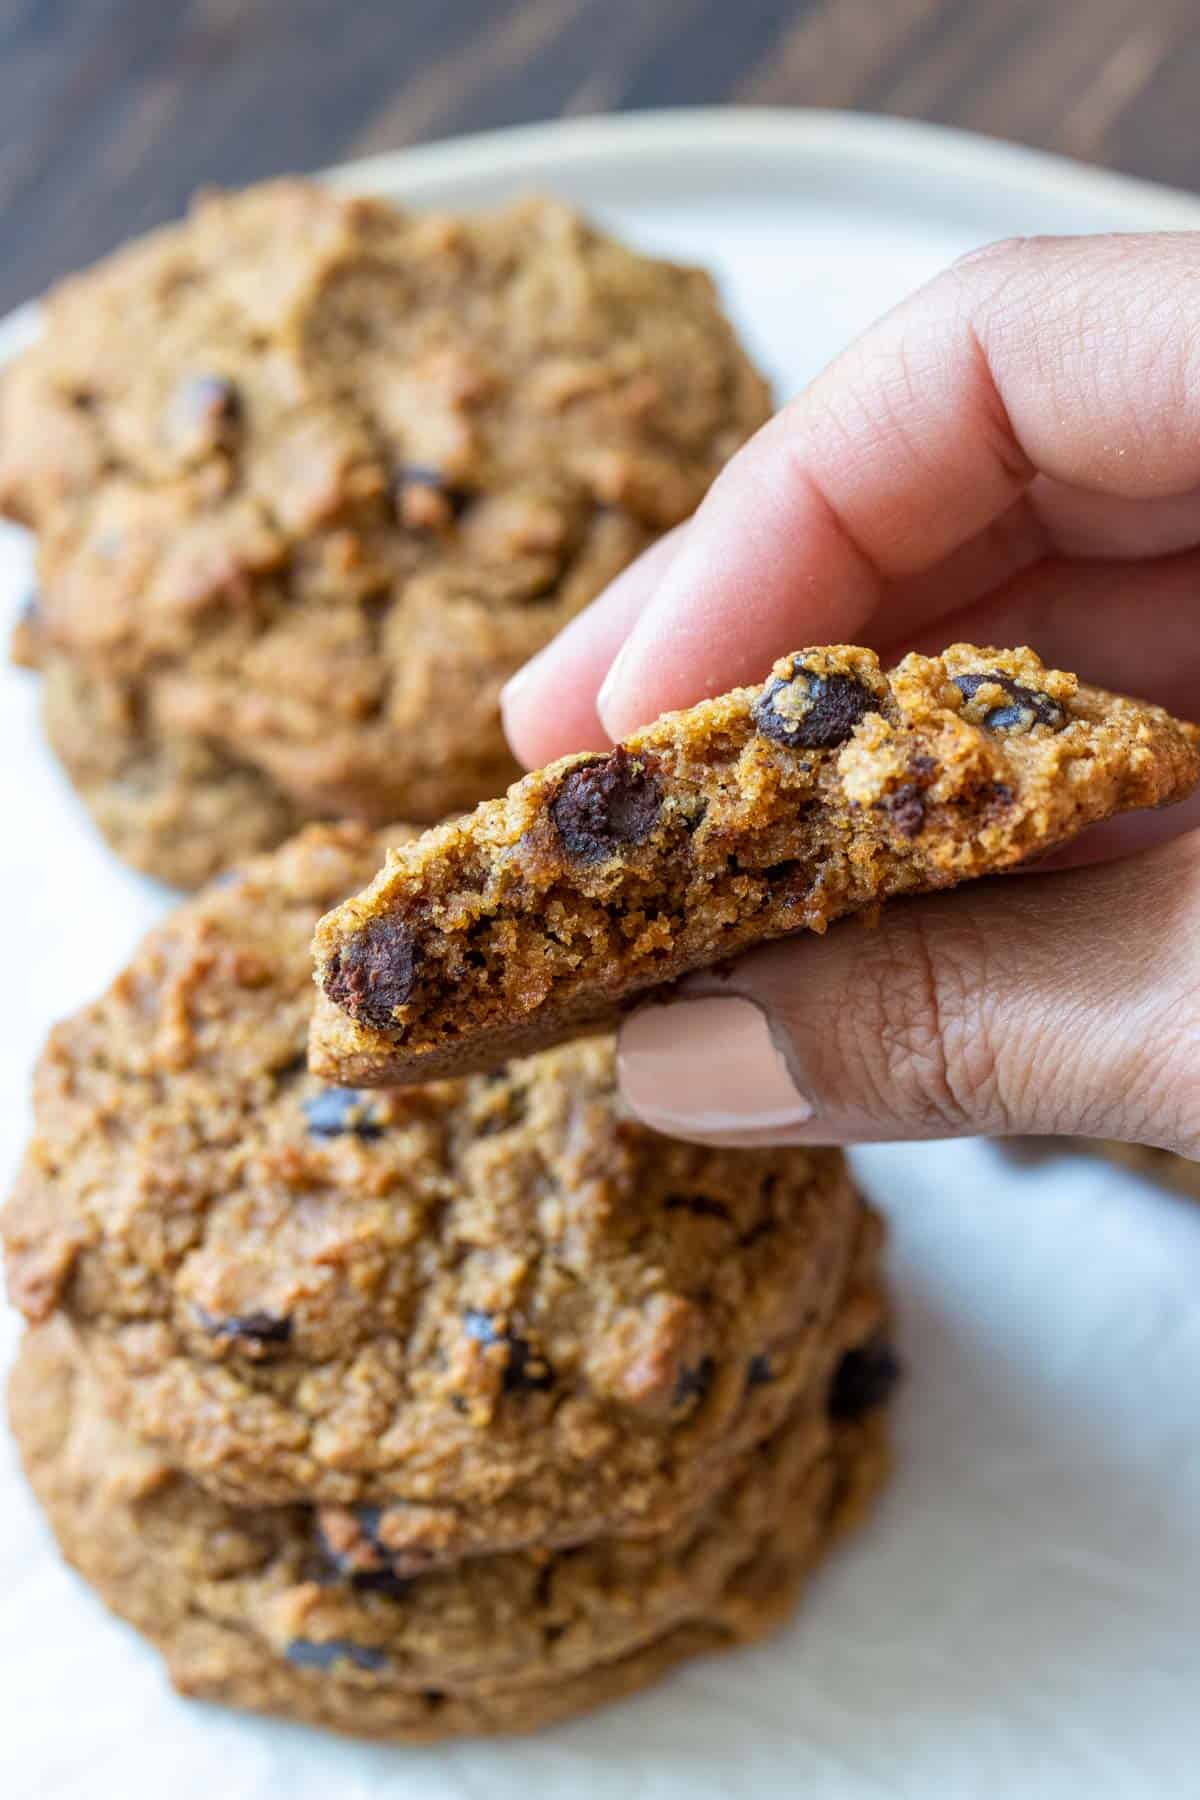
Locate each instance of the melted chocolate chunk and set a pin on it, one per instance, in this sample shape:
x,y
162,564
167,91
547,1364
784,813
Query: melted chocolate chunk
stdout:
x,y
525,1371
606,805
863,1380
699,1205
305,1653
341,1112
375,973
257,1329
694,1383
759,1371
906,809
810,711
1028,706
205,412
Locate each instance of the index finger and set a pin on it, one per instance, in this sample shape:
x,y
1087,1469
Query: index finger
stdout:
x,y
1074,359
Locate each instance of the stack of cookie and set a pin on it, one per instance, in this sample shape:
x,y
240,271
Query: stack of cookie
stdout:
x,y
409,1412
452,1408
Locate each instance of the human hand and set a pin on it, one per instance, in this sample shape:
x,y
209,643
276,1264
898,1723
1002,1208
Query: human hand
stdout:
x,y
1012,456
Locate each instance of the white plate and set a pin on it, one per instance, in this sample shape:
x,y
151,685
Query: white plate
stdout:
x,y
1021,1616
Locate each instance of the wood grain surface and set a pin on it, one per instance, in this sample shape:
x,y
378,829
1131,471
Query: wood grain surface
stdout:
x,y
114,110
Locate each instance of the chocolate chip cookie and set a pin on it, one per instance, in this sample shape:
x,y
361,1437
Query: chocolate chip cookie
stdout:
x,y
497,1309
265,1609
830,788
311,476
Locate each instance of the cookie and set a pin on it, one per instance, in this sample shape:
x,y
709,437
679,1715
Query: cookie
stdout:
x,y
498,1308
828,789
499,1642
311,476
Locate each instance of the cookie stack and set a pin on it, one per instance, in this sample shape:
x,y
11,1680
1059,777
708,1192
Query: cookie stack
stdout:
x,y
461,1407
412,1412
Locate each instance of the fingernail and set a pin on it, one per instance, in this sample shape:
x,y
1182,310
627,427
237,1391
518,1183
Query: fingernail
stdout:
x,y
516,683
610,684
708,1068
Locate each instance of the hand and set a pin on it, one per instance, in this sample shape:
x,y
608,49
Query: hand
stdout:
x,y
1012,456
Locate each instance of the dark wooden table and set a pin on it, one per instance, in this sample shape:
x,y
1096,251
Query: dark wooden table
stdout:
x,y
114,110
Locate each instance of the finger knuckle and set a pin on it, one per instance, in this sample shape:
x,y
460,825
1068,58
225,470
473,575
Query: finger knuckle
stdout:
x,y
918,1030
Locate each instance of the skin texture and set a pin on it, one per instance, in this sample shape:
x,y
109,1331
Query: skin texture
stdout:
x,y
1011,455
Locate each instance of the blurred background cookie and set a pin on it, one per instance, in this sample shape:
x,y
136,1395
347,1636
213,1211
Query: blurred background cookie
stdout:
x,y
311,477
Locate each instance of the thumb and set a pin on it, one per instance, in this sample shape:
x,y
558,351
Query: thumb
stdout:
x,y
1066,1003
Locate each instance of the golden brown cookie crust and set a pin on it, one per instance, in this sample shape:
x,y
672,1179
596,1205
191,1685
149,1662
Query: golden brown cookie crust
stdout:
x,y
500,1307
311,477
502,1642
833,786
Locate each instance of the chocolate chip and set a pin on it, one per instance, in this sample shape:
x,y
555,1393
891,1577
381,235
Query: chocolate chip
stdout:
x,y
375,973
995,796
365,1567
605,805
863,1380
425,500
759,1372
257,1329
906,809
1029,706
694,1383
525,1371
699,1205
305,1653
380,1581
341,1112
205,412
812,711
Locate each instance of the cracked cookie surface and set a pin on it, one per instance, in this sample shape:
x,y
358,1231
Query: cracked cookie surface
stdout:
x,y
832,787
498,1308
311,477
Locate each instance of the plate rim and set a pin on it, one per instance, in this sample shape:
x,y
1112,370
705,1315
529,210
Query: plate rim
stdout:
x,y
916,146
